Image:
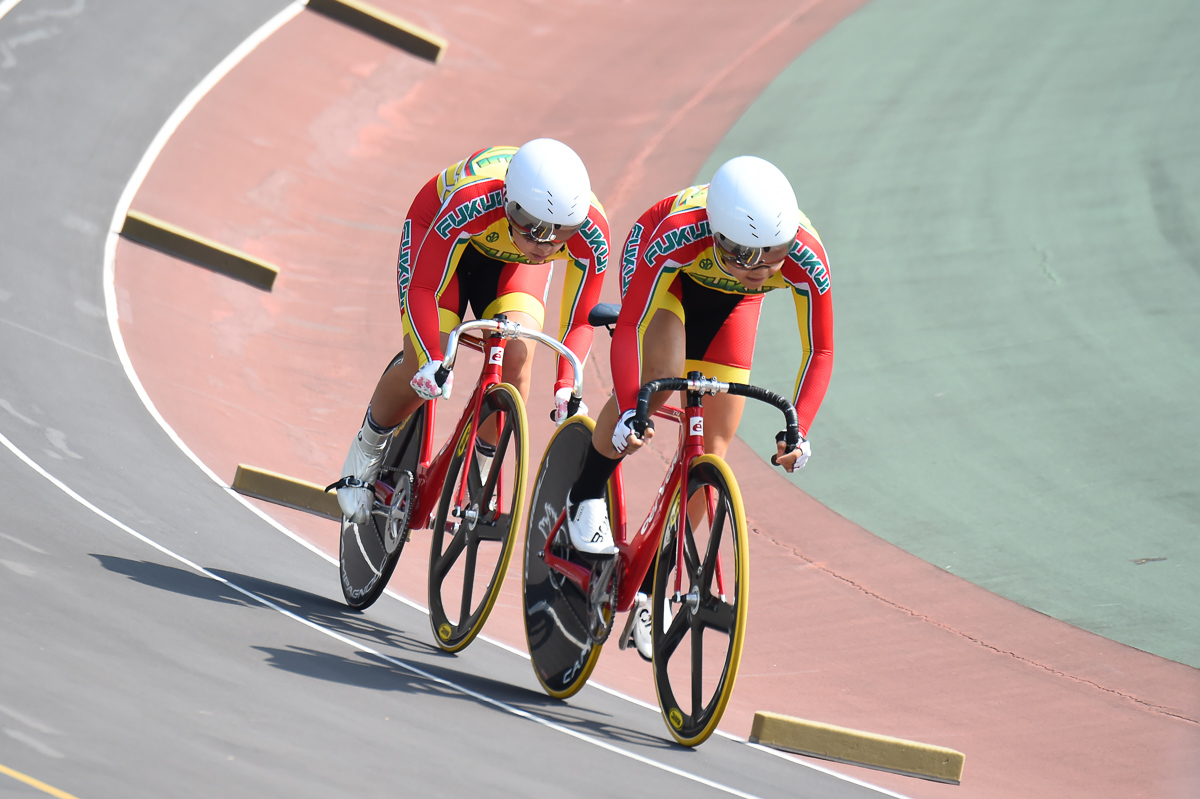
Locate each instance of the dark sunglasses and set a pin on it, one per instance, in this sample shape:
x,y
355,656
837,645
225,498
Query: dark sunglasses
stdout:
x,y
535,229
749,258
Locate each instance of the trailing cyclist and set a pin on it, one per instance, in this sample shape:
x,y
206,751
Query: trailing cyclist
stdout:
x,y
694,271
484,232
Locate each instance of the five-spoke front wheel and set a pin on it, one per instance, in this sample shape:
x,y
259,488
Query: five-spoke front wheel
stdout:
x,y
699,605
476,525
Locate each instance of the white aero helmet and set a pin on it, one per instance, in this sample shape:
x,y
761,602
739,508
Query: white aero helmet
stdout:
x,y
751,207
547,192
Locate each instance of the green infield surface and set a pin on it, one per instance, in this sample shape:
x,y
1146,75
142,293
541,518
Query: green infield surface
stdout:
x,y
1010,195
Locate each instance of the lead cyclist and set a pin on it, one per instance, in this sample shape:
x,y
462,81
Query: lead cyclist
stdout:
x,y
483,232
694,272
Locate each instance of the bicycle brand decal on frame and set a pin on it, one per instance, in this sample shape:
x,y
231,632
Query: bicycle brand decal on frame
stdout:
x,y
697,426
496,355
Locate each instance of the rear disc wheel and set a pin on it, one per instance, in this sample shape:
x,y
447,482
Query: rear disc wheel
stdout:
x,y
562,648
368,552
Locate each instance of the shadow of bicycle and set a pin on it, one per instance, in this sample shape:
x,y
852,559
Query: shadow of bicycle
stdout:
x,y
377,672
311,607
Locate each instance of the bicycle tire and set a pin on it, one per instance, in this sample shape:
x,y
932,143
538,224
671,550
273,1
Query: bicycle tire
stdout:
x,y
477,537
683,661
561,651
364,562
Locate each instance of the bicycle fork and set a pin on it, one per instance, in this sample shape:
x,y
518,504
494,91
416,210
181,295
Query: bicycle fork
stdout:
x,y
693,447
463,510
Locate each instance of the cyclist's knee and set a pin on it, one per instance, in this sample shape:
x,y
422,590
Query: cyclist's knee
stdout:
x,y
518,370
518,357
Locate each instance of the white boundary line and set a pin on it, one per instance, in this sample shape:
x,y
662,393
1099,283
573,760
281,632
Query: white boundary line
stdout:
x,y
6,6
110,246
110,251
136,179
359,647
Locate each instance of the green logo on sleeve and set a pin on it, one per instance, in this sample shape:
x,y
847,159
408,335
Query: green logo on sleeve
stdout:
x,y
472,209
811,264
595,237
673,240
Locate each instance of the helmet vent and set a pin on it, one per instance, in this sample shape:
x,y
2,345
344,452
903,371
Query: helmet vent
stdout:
x,y
751,202
547,175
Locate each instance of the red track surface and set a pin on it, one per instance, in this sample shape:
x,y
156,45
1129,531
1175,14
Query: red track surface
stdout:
x,y
308,154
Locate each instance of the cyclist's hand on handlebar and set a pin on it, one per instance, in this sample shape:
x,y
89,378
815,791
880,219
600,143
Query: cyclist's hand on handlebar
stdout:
x,y
624,439
791,461
424,382
561,410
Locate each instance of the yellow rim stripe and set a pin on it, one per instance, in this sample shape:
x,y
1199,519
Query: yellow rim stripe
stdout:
x,y
383,26
843,745
41,786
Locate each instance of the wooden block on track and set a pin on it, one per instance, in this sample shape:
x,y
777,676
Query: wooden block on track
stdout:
x,y
842,745
287,491
187,246
383,26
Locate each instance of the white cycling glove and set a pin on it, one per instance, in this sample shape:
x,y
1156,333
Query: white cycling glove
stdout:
x,y
805,453
561,398
425,384
622,431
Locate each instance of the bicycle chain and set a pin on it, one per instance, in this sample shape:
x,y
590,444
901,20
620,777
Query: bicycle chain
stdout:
x,y
592,609
595,607
595,610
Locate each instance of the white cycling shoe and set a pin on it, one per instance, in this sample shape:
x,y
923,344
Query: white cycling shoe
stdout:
x,y
363,462
642,625
587,525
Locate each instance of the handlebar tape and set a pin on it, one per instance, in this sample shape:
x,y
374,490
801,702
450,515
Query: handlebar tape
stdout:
x,y
790,436
440,375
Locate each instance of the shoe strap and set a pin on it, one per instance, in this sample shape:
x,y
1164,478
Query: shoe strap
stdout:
x,y
349,481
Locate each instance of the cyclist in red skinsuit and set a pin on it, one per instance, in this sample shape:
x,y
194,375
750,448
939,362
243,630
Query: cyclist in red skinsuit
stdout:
x,y
690,278
694,271
483,233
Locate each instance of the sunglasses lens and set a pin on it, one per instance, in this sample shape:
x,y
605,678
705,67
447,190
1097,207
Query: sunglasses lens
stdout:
x,y
535,229
742,256
749,257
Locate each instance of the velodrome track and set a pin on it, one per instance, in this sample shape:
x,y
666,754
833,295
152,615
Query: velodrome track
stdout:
x,y
127,670
306,154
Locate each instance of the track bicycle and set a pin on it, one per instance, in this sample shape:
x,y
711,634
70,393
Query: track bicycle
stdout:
x,y
695,536
473,516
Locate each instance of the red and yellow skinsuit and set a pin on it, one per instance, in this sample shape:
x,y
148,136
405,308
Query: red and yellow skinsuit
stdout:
x,y
460,212
668,262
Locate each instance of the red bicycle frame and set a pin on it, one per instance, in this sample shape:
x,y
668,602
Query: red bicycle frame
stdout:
x,y
431,472
636,555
